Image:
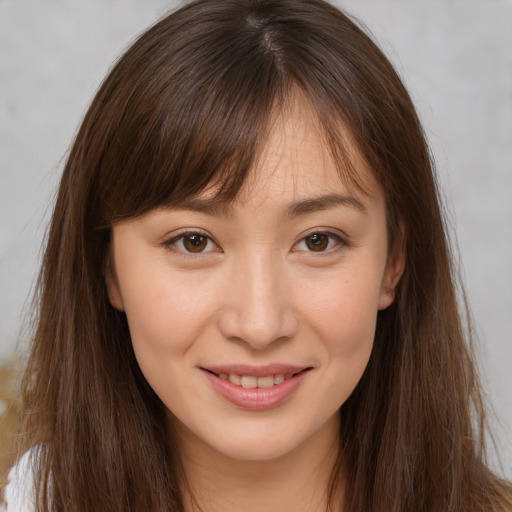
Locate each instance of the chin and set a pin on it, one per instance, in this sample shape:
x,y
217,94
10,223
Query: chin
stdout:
x,y
257,450
245,440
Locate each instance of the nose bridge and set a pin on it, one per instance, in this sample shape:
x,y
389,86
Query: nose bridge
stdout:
x,y
259,310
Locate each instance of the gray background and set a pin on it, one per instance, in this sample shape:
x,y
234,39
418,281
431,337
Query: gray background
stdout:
x,y
455,56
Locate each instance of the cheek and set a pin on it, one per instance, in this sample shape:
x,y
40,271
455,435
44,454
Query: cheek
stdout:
x,y
346,325
166,319
343,311
164,312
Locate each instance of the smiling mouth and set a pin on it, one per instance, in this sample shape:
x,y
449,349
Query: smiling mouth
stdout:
x,y
252,381
256,388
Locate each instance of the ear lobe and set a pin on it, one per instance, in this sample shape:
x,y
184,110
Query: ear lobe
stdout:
x,y
394,270
114,293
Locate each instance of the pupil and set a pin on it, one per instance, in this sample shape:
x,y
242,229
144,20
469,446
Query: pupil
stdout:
x,y
195,243
317,242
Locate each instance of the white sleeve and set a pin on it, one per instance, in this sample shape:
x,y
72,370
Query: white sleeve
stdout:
x,y
19,491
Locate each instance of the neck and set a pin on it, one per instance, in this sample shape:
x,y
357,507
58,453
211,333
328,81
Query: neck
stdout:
x,y
298,480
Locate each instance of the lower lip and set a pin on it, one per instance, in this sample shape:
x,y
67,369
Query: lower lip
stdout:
x,y
256,399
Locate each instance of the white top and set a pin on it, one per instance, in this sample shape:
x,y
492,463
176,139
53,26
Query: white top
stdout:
x,y
19,491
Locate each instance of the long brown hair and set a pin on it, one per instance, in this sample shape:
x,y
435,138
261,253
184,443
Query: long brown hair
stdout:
x,y
189,104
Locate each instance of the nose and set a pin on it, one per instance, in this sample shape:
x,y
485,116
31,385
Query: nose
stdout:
x,y
259,307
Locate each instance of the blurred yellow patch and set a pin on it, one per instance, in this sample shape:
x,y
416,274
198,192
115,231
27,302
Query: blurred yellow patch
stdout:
x,y
9,418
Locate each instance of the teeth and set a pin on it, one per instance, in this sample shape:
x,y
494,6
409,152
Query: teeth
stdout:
x,y
265,382
251,382
235,379
278,379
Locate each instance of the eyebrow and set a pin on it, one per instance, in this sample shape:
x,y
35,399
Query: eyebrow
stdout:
x,y
211,207
218,208
323,202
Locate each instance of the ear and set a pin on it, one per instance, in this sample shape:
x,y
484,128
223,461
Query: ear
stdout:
x,y
392,274
114,293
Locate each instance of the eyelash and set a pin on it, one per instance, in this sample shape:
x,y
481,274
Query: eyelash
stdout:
x,y
341,243
172,242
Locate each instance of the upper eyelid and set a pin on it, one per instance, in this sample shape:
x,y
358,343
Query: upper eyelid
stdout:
x,y
187,231
326,231
170,242
342,241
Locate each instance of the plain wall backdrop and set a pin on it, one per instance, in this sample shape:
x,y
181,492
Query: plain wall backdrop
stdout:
x,y
454,55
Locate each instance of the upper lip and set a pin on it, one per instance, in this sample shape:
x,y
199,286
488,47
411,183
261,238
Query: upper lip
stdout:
x,y
255,371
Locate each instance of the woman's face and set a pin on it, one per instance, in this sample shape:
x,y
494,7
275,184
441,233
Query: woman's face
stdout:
x,y
254,321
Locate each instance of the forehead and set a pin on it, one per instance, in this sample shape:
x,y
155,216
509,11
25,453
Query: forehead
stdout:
x,y
295,170
296,161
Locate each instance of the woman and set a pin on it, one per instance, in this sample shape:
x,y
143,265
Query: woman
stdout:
x,y
247,299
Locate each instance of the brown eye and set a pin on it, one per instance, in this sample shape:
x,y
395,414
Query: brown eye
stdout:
x,y
195,242
317,242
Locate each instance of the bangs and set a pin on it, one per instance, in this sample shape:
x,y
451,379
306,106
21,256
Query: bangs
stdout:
x,y
191,103
210,140
187,123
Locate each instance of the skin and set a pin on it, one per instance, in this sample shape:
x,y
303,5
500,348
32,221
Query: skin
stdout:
x,y
259,295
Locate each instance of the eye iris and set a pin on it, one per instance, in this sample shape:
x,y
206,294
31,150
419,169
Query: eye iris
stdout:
x,y
194,243
317,242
